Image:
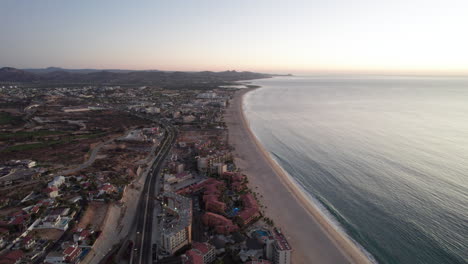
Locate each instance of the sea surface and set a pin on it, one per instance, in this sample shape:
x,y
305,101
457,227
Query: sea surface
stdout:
x,y
386,157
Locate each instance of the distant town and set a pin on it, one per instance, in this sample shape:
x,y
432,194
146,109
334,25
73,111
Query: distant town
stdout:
x,y
113,167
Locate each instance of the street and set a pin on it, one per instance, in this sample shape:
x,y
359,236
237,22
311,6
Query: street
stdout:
x,y
144,222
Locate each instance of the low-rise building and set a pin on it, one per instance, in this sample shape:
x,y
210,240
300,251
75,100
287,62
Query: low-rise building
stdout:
x,y
221,224
250,211
201,253
57,181
12,257
53,221
212,204
52,192
71,253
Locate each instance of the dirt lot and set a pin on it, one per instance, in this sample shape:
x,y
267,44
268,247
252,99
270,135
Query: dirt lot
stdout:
x,y
94,215
55,137
48,234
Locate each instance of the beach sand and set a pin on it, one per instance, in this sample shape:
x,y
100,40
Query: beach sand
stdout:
x,y
312,237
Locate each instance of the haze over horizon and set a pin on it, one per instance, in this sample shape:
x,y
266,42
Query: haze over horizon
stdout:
x,y
262,36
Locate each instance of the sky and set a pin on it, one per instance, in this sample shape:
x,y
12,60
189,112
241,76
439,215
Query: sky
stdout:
x,y
293,36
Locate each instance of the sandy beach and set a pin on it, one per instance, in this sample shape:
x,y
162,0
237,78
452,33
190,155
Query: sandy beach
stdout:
x,y
313,238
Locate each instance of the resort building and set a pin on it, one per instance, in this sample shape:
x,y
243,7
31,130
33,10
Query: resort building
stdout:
x,y
250,211
212,204
221,224
281,249
208,163
201,253
178,231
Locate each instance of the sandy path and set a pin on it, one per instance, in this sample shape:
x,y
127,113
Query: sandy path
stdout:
x,y
312,237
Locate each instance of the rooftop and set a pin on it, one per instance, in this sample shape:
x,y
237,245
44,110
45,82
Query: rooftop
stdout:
x,y
182,206
282,243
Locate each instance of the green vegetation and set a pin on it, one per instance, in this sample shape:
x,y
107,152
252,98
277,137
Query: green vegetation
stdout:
x,y
90,136
9,119
43,144
26,134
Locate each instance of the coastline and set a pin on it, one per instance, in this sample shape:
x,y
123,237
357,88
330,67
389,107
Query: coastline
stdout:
x,y
313,237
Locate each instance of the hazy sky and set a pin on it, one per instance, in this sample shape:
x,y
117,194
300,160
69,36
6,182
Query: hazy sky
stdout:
x,y
270,36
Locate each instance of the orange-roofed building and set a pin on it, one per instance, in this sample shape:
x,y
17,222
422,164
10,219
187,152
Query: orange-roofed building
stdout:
x,y
213,205
12,257
249,201
201,253
221,224
71,253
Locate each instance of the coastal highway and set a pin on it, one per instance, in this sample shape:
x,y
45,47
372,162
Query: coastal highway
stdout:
x,y
144,218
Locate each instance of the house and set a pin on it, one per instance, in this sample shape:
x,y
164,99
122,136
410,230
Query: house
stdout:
x,y
82,235
52,192
28,242
35,209
56,182
53,221
201,253
12,257
20,221
71,253
107,188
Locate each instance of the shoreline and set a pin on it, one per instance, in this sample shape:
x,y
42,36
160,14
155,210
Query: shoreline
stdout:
x,y
312,236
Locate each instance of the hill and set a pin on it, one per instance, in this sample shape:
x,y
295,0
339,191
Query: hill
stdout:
x,y
59,75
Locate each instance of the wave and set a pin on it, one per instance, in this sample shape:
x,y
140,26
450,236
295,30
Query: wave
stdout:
x,y
327,210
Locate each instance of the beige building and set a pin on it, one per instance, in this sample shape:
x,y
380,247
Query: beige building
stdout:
x,y
177,232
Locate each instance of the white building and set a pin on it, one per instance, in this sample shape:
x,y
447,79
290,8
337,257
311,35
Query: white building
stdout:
x,y
178,232
53,221
57,181
281,249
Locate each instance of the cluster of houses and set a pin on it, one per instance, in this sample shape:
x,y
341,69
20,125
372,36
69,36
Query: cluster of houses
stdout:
x,y
18,171
36,231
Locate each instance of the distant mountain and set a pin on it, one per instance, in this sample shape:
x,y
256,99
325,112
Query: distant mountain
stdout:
x,y
9,74
53,69
168,79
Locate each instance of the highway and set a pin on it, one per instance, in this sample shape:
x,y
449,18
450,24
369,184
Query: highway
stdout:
x,y
144,219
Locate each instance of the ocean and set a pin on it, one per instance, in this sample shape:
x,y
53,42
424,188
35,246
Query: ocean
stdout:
x,y
386,157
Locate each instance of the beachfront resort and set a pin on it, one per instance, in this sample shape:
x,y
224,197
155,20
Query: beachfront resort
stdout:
x,y
163,162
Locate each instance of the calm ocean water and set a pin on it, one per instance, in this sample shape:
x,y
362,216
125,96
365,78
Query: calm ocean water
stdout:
x,y
386,156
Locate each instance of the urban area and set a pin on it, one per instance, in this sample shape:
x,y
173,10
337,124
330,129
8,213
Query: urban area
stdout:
x,y
126,174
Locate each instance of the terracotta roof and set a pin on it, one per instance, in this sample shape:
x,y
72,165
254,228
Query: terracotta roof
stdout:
x,y
202,247
12,256
69,250
19,220
50,189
